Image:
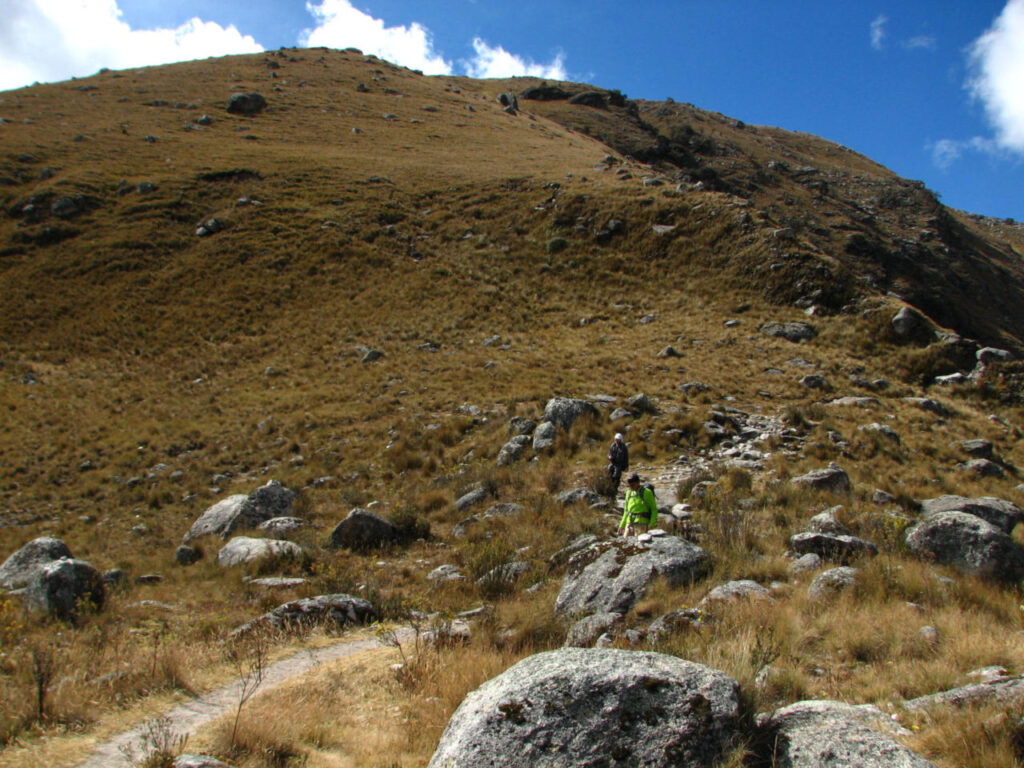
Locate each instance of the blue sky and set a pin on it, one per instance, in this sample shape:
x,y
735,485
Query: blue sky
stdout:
x,y
933,89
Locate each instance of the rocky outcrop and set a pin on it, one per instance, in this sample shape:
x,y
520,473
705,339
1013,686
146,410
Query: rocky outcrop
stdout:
x,y
826,734
594,707
246,104
18,569
612,576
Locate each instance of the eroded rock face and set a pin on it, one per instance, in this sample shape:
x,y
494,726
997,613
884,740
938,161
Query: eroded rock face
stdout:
x,y
612,576
825,734
969,543
18,569
594,707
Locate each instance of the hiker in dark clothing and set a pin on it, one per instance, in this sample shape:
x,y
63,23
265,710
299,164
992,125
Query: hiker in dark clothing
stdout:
x,y
618,461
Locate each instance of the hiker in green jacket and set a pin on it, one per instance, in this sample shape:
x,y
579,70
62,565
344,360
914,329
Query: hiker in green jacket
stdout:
x,y
640,511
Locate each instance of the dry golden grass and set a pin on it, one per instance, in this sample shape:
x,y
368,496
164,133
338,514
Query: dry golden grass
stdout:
x,y
238,356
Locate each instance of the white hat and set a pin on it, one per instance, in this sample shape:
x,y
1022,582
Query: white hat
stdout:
x,y
618,435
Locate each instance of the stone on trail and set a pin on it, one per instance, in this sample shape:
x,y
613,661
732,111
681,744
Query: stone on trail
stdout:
x,y
827,734
594,707
18,569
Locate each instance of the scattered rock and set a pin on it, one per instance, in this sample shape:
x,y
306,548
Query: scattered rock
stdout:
x,y
839,548
363,530
574,706
831,479
281,527
563,412
881,429
794,332
62,588
732,591
978,448
969,543
243,550
241,511
910,325
247,104
831,582
612,576
513,449
928,404
471,499
826,734
336,610
544,436
186,555
584,633
1003,514
983,468
18,569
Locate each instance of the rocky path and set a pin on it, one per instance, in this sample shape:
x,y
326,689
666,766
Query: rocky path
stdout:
x,y
196,712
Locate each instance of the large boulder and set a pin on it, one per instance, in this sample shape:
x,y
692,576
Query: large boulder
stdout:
x,y
564,411
243,550
18,569
1007,691
337,610
1003,514
594,707
363,530
826,734
969,543
62,588
612,576
241,511
544,437
247,104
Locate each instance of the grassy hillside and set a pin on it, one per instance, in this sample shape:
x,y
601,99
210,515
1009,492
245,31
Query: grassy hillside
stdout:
x,y
497,260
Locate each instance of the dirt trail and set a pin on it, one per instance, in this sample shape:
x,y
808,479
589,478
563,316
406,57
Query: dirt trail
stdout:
x,y
196,712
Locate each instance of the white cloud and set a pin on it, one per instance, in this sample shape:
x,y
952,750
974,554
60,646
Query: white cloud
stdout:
x,y
878,31
945,152
48,40
925,42
497,62
997,80
339,25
